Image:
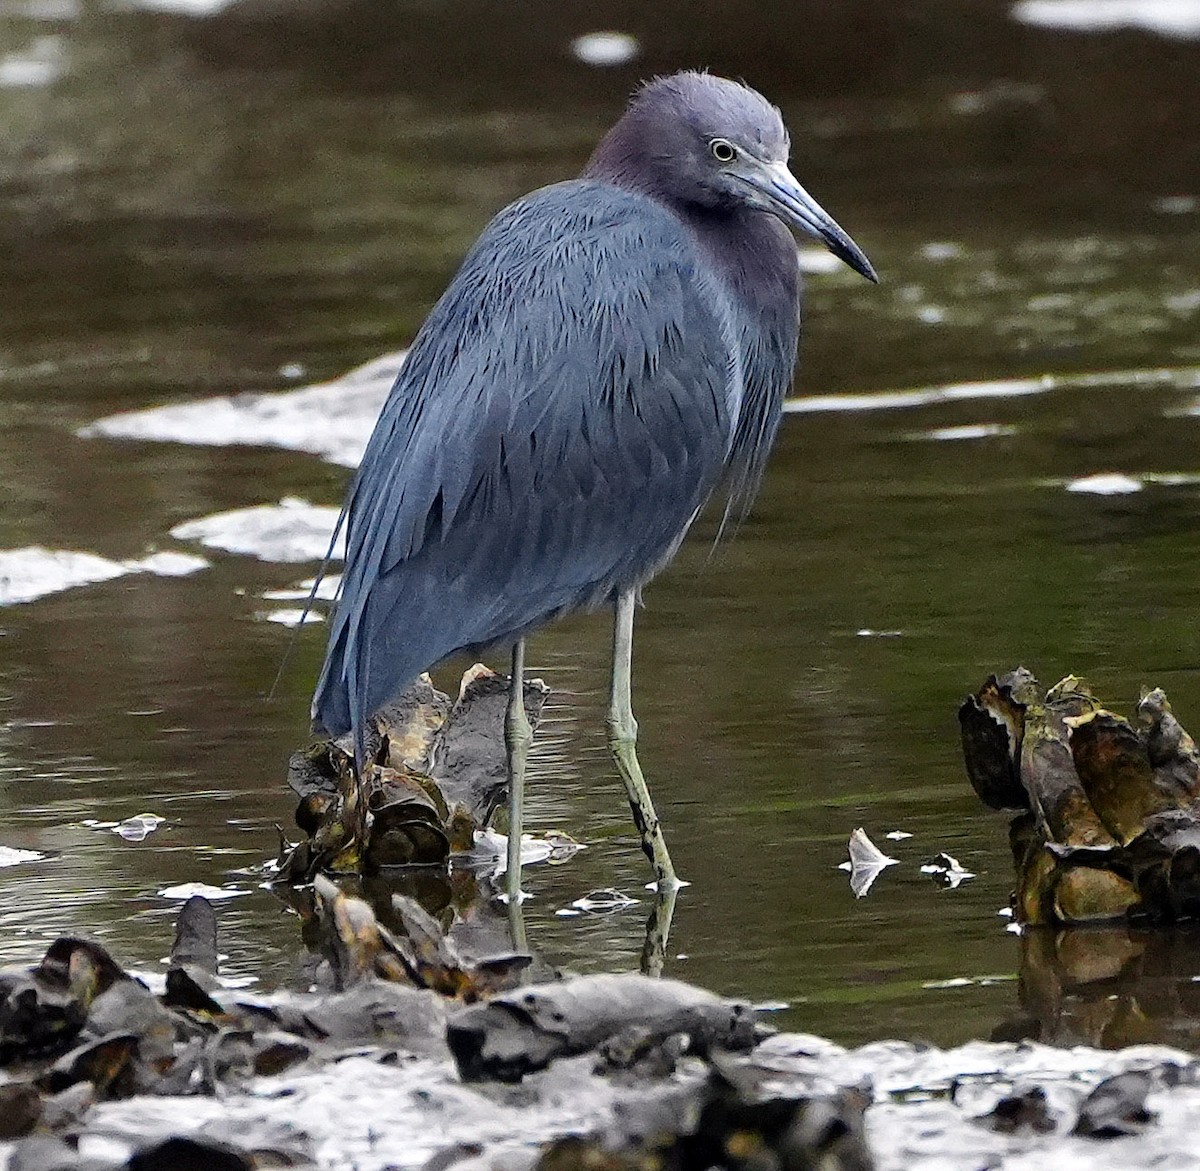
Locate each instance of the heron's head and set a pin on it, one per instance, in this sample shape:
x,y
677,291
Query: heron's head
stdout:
x,y
709,142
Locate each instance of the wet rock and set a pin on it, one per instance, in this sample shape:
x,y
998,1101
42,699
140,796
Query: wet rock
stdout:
x,y
1048,772
1114,768
435,773
1024,1111
189,1154
314,779
436,962
187,993
20,1109
1117,1107
359,949
777,1132
275,1053
408,820
195,946
35,1017
375,1012
734,1119
471,767
1086,895
81,966
1114,829
43,1152
457,1155
1173,753
64,1110
410,725
514,1034
640,1052
130,1008
109,1064
993,725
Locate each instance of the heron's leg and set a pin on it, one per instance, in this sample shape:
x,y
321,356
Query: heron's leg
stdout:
x,y
517,738
658,930
622,741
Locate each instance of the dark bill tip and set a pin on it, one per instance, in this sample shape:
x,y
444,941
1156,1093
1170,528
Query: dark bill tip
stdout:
x,y
796,207
848,252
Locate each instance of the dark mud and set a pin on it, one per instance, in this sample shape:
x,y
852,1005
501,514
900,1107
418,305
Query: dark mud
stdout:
x,y
616,1071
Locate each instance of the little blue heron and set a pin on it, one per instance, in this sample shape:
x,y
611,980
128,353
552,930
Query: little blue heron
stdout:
x,y
613,350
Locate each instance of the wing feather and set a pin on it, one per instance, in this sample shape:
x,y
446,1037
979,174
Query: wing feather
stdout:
x,y
562,416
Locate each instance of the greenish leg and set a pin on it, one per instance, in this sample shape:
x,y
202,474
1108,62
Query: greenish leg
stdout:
x,y
658,931
622,742
517,738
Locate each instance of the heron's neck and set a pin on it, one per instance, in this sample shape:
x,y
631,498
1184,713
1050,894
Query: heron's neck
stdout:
x,y
753,251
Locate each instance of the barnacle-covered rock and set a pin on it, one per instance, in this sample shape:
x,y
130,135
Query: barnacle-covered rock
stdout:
x,y
435,772
1114,768
1173,754
993,724
1113,828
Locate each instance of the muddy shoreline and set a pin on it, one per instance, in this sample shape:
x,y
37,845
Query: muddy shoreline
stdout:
x,y
617,1071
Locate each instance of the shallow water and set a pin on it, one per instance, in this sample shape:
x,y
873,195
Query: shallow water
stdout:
x,y
268,197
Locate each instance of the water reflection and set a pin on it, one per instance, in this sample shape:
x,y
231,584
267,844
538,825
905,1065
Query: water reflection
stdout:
x,y
1108,987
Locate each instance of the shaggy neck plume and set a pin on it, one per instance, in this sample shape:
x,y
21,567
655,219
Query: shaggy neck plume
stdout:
x,y
754,252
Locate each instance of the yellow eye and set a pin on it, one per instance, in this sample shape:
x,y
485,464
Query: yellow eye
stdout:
x,y
722,150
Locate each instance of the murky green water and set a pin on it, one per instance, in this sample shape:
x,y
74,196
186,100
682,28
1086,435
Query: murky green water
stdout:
x,y
270,196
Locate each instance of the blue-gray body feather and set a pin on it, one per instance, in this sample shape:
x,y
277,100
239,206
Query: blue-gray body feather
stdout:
x,y
598,366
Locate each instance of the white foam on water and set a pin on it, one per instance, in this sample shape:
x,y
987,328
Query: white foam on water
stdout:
x,y
1176,205
326,591
1170,18
292,530
942,250
890,400
168,563
605,49
1176,377
41,64
331,419
12,856
817,261
44,10
197,8
1106,484
967,431
291,617
186,890
34,572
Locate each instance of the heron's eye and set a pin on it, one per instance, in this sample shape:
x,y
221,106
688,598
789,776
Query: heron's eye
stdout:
x,y
722,150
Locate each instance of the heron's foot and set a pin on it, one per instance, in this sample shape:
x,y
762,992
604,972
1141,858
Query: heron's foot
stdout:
x,y
658,931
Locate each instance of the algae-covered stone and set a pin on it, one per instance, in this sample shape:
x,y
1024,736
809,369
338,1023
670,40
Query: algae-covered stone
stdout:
x,y
1115,771
1086,895
992,723
1172,751
1048,772
1114,827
